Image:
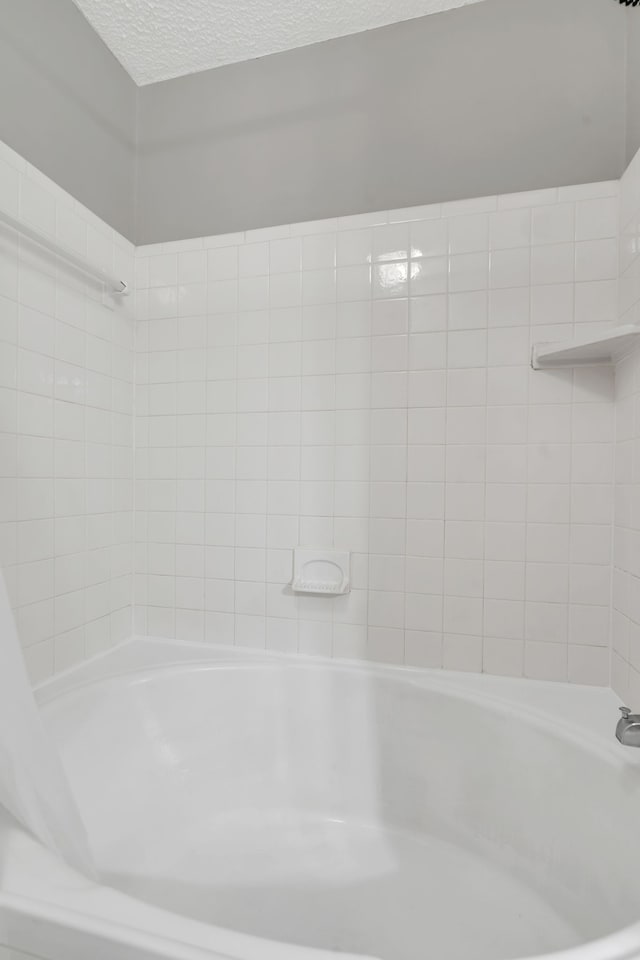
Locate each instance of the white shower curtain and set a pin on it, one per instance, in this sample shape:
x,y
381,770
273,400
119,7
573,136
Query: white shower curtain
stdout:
x,y
33,785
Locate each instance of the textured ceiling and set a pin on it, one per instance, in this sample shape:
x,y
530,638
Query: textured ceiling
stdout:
x,y
159,39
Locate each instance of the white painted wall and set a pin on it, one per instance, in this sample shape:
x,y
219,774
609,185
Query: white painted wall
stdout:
x,y
6,953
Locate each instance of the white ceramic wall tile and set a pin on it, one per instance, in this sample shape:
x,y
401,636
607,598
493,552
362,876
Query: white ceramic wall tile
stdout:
x,y
625,665
365,384
361,383
66,429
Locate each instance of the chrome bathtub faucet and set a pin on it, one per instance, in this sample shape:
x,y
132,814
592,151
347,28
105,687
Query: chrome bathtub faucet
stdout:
x,y
628,729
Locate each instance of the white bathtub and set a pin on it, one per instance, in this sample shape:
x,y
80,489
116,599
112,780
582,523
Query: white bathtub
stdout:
x,y
261,808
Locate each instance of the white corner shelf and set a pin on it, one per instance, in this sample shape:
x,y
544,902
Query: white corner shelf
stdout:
x,y
603,348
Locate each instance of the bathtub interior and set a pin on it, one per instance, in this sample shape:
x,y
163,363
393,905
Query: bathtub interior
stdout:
x,y
367,811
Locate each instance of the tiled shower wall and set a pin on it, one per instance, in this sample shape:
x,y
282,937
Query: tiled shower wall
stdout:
x,y
365,383
362,383
66,432
626,563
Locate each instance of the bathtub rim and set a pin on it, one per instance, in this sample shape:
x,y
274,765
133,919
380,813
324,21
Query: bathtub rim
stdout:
x,y
539,718
583,715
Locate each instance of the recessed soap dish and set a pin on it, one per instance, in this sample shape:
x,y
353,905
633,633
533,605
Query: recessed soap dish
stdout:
x,y
321,572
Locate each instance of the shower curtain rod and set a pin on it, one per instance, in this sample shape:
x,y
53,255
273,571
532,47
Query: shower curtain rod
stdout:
x,y
116,286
